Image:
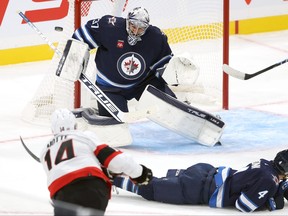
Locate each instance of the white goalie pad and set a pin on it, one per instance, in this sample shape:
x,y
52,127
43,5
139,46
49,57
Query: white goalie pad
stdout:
x,y
181,70
74,60
108,130
182,118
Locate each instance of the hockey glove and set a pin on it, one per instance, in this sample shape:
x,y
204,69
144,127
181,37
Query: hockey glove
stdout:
x,y
281,193
144,178
271,204
283,189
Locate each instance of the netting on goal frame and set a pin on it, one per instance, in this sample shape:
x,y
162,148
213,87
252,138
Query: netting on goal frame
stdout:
x,y
195,27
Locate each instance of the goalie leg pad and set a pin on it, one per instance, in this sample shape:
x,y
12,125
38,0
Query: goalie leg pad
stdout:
x,y
74,60
107,129
182,118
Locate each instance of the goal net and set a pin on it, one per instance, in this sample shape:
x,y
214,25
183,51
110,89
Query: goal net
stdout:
x,y
194,27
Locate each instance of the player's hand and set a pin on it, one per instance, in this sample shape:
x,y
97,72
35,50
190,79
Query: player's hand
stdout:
x,y
110,174
144,178
281,193
283,189
271,204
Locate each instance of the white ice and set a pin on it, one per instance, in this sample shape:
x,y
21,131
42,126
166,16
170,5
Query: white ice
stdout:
x,y
257,127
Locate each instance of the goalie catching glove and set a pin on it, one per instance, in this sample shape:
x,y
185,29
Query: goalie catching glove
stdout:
x,y
144,178
181,70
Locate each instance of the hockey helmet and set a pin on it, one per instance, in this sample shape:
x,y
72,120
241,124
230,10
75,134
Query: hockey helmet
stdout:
x,y
61,120
137,22
281,162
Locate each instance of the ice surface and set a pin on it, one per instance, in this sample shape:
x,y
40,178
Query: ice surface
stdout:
x,y
257,127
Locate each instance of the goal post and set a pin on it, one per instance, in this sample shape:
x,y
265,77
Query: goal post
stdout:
x,y
225,83
196,27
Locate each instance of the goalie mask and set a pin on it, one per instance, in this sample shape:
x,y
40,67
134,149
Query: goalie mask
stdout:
x,y
137,23
281,162
62,120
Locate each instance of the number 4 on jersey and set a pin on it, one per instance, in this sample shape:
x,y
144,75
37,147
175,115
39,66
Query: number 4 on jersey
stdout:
x,y
262,194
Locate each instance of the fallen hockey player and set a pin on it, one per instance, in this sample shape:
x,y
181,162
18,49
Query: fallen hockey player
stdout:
x,y
258,186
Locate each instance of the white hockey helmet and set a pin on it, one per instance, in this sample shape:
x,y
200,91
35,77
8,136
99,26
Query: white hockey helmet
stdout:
x,y
137,22
61,120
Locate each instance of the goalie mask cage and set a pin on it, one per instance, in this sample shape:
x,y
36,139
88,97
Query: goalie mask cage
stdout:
x,y
194,27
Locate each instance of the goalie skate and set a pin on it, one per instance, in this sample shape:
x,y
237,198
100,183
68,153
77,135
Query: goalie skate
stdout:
x,y
108,129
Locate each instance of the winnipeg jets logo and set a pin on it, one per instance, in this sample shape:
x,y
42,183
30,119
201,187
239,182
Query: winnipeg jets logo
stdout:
x,y
131,65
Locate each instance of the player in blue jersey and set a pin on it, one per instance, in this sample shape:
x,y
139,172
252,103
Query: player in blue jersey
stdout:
x,y
130,54
259,185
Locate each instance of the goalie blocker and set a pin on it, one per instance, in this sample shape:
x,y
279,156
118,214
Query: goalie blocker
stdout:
x,y
74,60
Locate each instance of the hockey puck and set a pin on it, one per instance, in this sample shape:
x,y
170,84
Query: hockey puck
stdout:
x,y
58,28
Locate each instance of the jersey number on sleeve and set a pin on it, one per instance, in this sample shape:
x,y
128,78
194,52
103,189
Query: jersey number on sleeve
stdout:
x,y
95,23
65,152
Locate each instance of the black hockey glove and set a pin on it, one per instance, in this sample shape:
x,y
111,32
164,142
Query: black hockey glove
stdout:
x,y
281,193
271,204
283,189
144,178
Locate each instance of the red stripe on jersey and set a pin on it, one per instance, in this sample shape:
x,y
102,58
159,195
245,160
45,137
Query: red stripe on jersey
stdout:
x,y
68,178
105,154
99,148
108,159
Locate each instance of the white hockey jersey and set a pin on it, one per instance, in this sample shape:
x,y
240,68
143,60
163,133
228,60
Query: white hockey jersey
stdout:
x,y
74,154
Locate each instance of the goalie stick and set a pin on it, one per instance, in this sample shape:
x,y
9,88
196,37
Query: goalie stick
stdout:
x,y
99,95
29,152
244,76
39,32
111,107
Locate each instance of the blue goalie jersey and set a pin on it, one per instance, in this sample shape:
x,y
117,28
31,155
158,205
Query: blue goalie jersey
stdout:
x,y
120,64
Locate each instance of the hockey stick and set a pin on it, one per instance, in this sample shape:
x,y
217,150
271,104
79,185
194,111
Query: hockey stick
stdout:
x,y
244,76
39,32
29,152
111,107
99,95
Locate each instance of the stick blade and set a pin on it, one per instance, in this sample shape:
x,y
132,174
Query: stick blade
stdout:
x,y
29,152
233,72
